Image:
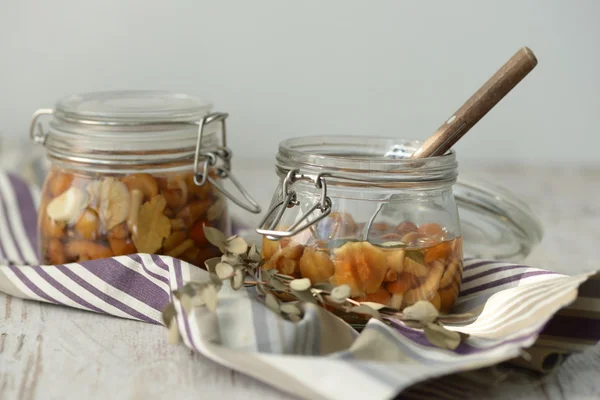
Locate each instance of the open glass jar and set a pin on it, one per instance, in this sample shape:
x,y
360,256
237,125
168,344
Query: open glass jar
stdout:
x,y
358,211
133,172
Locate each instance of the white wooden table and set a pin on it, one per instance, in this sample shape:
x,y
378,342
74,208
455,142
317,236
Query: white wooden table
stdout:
x,y
49,352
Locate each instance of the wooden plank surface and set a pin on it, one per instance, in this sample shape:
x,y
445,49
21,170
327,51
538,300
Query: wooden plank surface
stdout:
x,y
50,352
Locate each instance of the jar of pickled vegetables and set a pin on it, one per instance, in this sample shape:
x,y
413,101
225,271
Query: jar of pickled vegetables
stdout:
x,y
133,172
357,211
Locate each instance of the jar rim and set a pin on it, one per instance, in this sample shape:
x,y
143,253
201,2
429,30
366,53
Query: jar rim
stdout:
x,y
131,107
380,158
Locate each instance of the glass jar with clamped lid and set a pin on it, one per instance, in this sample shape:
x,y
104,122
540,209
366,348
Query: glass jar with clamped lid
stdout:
x,y
358,211
133,172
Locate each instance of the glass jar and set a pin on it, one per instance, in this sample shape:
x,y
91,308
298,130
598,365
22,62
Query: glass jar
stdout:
x,y
358,211
133,172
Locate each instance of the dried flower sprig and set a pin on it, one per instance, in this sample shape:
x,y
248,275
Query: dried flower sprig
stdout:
x,y
241,261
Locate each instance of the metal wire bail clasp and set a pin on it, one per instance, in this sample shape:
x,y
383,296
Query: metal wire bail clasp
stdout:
x,y
209,157
289,200
38,135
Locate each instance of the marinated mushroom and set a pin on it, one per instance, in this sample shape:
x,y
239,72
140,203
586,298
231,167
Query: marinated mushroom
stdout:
x,y
97,216
407,263
113,198
144,183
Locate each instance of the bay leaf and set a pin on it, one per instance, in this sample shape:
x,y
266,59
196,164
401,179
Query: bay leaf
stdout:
x,y
416,256
153,226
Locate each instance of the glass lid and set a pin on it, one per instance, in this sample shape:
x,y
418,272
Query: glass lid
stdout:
x,y
495,223
131,107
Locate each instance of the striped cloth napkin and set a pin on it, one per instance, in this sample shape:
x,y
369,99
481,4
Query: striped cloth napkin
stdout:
x,y
519,312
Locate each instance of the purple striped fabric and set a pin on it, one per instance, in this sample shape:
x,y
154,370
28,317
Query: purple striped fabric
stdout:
x,y
27,209
508,315
491,271
63,289
503,281
20,258
159,262
30,285
102,295
138,259
135,284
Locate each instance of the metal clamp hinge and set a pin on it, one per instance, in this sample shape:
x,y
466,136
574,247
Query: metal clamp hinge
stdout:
x,y
38,135
208,158
289,200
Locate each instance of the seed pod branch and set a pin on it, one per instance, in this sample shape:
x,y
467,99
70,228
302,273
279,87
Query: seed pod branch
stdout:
x,y
285,295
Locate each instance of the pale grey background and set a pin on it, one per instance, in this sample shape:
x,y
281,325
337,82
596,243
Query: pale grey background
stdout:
x,y
289,68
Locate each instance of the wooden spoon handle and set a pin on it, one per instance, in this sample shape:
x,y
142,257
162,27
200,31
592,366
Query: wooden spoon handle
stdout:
x,y
479,104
